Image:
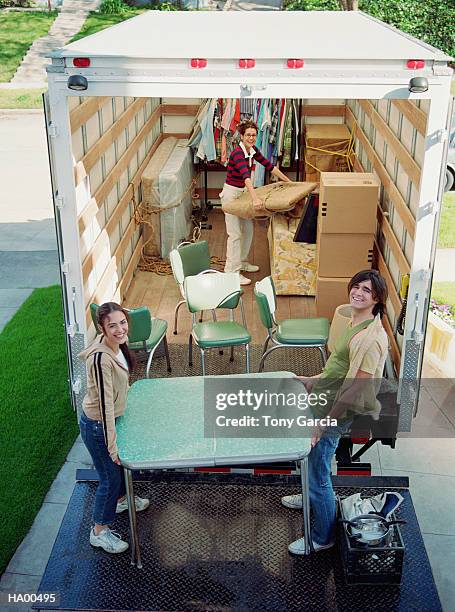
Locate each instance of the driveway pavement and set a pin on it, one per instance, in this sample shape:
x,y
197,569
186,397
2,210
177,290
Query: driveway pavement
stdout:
x,y
28,255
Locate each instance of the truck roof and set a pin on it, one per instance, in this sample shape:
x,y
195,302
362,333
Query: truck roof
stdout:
x,y
325,35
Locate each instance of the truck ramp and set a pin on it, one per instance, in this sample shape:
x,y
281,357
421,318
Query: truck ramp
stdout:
x,y
219,542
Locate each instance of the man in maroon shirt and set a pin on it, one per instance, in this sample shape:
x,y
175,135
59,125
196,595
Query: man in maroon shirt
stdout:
x,y
240,231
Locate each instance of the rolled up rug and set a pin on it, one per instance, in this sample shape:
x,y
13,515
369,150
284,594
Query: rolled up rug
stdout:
x,y
276,197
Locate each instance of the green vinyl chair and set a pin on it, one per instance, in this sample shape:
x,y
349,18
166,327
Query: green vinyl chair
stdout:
x,y
144,334
311,332
214,290
188,259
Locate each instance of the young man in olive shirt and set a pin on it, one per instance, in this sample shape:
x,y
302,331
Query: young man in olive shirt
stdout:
x,y
358,358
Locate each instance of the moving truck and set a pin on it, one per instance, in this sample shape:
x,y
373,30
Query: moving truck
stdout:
x,y
116,95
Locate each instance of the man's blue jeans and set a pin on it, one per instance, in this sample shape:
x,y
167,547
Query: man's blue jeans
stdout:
x,y
322,496
111,481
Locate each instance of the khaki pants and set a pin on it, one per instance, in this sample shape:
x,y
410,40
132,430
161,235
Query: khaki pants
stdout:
x,y
239,231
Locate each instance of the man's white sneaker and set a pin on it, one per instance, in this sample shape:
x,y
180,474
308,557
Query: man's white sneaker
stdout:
x,y
292,501
298,547
140,503
110,541
244,280
247,267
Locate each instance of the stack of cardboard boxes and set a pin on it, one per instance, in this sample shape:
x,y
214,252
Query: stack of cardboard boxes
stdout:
x,y
346,228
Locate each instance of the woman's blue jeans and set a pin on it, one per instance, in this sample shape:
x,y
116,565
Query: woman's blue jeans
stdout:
x,y
111,481
322,496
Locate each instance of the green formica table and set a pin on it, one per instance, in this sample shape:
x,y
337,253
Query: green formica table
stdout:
x,y
163,427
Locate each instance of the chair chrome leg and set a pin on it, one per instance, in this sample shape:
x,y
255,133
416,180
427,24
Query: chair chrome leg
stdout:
x,y
231,358
149,361
247,353
166,352
190,351
323,354
266,354
201,316
176,314
203,361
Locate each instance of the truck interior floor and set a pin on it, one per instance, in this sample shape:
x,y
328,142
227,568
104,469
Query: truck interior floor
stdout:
x,y
160,293
219,542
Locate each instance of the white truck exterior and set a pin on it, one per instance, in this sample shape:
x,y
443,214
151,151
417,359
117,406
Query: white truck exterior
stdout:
x,y
140,73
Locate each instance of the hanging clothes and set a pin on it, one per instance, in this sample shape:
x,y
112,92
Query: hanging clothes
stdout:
x,y
215,135
287,137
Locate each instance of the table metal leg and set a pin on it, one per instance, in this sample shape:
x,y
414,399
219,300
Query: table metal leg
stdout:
x,y
134,540
306,504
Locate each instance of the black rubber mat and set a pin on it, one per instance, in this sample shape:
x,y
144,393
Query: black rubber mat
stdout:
x,y
219,542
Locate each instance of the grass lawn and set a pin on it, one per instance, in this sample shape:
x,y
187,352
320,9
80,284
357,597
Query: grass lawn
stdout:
x,y
99,21
446,238
17,33
37,423
444,292
21,98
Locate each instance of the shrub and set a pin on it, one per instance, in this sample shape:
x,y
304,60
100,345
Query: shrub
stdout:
x,y
446,312
431,21
16,3
113,7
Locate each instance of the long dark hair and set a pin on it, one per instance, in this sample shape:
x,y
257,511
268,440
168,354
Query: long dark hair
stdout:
x,y
103,311
378,286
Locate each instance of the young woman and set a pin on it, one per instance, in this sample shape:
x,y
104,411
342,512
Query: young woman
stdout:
x,y
108,363
354,367
238,179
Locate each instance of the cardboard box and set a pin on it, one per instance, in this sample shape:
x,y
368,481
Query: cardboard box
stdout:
x,y
331,137
341,255
348,202
330,293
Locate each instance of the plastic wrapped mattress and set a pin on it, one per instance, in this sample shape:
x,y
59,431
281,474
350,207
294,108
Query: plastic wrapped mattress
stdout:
x,y
166,186
175,197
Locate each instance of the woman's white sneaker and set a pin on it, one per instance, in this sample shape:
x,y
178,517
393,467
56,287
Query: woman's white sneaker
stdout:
x,y
292,501
140,503
110,541
248,267
244,280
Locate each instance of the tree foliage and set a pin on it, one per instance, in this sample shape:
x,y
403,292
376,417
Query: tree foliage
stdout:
x,y
430,21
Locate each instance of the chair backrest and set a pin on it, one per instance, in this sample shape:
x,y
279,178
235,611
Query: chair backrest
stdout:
x,y
177,267
264,293
189,259
140,325
93,311
213,290
195,257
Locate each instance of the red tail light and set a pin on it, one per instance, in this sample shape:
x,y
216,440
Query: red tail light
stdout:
x,y
247,63
198,62
414,64
81,62
295,63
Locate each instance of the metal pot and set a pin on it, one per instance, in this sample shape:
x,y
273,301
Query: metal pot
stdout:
x,y
371,529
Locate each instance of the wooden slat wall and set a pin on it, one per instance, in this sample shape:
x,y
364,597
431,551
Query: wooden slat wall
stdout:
x,y
413,114
109,137
417,118
80,115
324,110
393,242
391,189
409,165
